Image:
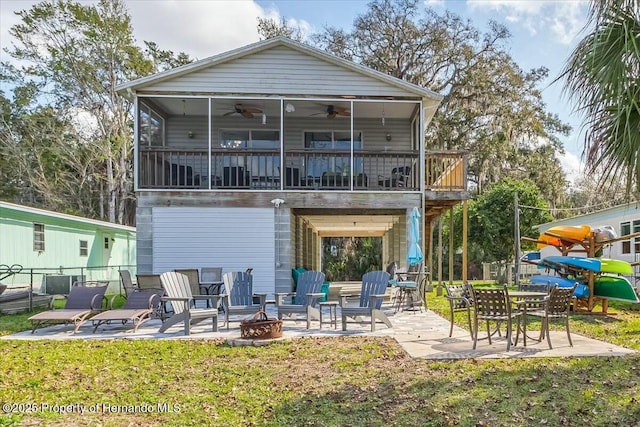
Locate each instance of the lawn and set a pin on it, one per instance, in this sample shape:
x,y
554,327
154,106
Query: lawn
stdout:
x,y
314,381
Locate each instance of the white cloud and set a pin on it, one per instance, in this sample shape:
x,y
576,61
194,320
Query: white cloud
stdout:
x,y
198,28
572,166
562,19
434,3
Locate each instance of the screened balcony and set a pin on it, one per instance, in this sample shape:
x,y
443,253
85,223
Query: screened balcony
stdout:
x,y
287,144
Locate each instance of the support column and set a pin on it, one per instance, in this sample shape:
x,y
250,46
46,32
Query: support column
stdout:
x,y
439,290
451,258
465,232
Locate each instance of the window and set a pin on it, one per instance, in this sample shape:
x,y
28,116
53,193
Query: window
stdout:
x,y
106,243
150,127
38,237
326,141
84,248
267,164
626,228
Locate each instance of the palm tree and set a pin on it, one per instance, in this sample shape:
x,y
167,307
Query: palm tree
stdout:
x,y
602,76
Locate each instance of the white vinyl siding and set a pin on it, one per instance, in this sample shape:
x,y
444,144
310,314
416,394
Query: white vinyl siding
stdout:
x,y
282,71
232,238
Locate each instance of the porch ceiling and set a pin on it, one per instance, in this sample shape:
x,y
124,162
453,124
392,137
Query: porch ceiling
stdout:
x,y
351,225
175,106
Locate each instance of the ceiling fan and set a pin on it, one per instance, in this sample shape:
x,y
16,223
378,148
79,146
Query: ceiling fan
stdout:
x,y
332,111
247,112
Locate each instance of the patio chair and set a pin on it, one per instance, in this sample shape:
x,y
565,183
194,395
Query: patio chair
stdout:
x,y
178,291
139,307
127,284
409,286
305,299
211,280
194,279
459,300
148,281
493,305
399,177
238,297
374,285
84,299
556,306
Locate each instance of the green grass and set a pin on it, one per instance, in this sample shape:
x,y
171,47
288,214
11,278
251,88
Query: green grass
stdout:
x,y
342,381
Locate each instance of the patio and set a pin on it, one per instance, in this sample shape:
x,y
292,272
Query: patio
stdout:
x,y
421,334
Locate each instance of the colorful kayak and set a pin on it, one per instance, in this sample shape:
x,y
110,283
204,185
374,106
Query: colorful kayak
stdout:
x,y
574,263
615,266
574,233
582,290
614,287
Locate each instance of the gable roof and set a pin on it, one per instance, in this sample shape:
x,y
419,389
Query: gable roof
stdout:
x,y
268,44
74,218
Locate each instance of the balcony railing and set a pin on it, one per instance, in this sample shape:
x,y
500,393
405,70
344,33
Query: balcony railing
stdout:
x,y
306,169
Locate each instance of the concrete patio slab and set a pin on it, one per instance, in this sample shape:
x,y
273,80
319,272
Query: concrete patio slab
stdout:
x,y
421,334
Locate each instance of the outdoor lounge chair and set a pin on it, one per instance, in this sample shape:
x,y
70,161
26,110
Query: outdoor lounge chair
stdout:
x,y
127,283
305,299
139,307
178,291
238,296
374,285
83,301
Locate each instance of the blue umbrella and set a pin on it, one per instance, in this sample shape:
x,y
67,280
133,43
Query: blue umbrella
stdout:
x,y
414,254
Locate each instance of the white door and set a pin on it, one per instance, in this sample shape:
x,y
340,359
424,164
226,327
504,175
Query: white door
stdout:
x,y
232,238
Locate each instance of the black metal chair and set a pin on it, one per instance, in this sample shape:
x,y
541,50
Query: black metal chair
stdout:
x,y
493,305
459,298
556,306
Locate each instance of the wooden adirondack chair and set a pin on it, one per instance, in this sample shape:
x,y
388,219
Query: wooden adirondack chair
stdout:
x,y
238,295
305,299
178,291
374,285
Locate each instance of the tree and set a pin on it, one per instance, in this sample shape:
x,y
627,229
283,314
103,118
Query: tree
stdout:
x,y
348,258
491,107
269,28
601,77
75,55
491,235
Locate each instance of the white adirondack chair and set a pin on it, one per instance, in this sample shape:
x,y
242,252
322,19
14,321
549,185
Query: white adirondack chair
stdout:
x,y
179,294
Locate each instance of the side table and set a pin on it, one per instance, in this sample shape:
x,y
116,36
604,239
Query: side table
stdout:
x,y
333,312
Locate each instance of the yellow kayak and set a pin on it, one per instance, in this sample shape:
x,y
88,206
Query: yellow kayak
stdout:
x,y
564,235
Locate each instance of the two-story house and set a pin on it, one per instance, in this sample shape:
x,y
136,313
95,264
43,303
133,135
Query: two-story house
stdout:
x,y
249,158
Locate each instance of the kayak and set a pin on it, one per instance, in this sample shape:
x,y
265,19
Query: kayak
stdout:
x,y
614,287
572,233
545,240
615,266
575,263
581,291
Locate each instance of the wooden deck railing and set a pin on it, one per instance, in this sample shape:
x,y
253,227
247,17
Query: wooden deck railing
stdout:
x,y
163,168
446,170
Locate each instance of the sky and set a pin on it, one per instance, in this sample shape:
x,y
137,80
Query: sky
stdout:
x,y
543,32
